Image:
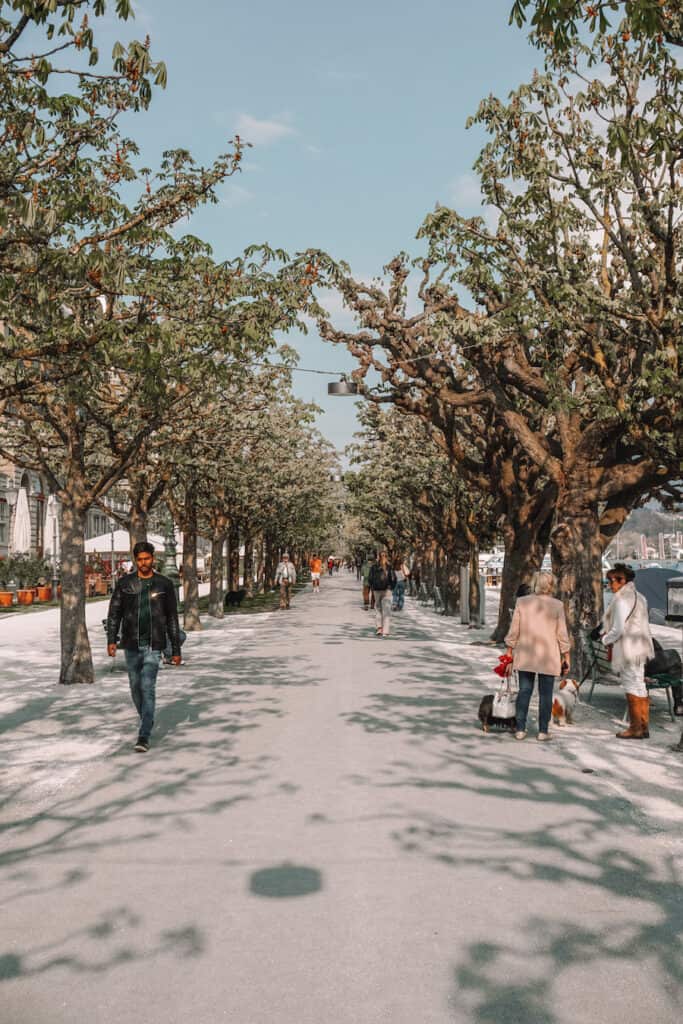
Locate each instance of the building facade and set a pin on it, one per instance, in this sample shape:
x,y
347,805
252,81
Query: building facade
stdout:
x,y
12,480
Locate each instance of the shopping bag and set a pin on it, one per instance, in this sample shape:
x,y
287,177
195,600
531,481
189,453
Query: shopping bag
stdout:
x,y
505,700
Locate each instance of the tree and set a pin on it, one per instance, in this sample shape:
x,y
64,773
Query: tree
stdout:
x,y
572,338
580,284
192,321
423,374
558,23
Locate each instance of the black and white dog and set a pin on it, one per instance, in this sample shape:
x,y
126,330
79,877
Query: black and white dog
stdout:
x,y
490,721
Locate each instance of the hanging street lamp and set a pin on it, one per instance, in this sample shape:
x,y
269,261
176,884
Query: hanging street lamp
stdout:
x,y
343,387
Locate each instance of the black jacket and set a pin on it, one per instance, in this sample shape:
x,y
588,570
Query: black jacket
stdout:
x,y
381,579
124,609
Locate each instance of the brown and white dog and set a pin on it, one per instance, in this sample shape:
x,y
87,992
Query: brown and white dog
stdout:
x,y
564,701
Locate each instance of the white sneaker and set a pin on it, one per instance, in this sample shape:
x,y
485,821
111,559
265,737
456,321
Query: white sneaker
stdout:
x,y
520,735
543,737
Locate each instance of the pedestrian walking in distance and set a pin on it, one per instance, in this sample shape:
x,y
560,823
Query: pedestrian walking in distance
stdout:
x,y
365,578
143,606
539,646
402,573
382,582
627,631
285,577
316,565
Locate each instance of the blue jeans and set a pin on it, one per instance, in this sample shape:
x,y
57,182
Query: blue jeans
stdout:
x,y
143,666
399,595
545,699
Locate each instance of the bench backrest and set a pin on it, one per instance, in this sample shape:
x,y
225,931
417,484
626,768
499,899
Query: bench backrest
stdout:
x,y
601,669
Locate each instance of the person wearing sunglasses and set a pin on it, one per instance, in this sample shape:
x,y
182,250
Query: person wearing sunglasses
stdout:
x,y
627,631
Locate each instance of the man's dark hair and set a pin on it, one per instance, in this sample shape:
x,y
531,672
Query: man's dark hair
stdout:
x,y
143,545
621,571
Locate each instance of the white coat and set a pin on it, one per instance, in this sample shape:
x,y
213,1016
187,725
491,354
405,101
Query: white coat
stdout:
x,y
628,628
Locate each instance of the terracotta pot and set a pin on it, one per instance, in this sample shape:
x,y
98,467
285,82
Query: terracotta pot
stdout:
x,y
6,598
44,593
24,596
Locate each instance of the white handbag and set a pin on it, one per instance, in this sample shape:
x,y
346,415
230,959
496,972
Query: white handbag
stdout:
x,y
505,700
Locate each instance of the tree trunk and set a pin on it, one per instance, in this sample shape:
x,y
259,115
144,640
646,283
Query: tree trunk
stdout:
x,y
234,557
76,658
137,524
452,586
526,542
260,563
429,566
577,561
270,564
216,603
249,564
191,620
475,590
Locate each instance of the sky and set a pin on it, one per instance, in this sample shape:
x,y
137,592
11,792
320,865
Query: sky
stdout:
x,y
356,112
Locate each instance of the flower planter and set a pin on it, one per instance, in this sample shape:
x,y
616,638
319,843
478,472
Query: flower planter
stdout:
x,y
6,597
24,596
44,593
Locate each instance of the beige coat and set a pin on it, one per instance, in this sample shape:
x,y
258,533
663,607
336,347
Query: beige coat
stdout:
x,y
538,635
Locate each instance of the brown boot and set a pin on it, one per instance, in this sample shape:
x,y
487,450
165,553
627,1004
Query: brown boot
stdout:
x,y
639,717
644,717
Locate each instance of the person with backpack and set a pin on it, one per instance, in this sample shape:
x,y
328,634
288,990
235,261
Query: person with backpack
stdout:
x,y
382,580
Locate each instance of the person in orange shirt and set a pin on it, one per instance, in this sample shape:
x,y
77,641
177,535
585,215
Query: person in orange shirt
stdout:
x,y
315,565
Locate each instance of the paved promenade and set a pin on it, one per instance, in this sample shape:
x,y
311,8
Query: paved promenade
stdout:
x,y
321,834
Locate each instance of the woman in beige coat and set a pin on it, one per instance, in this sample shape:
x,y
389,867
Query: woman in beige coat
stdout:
x,y
539,645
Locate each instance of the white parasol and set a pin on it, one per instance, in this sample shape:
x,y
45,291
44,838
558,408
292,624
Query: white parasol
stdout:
x,y
21,534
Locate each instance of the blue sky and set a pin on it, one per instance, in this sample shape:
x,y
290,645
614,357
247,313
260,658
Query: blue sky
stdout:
x,y
357,113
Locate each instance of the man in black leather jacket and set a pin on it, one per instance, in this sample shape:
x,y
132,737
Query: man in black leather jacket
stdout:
x,y
144,606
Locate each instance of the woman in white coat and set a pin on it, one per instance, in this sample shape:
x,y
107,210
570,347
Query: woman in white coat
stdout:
x,y
627,631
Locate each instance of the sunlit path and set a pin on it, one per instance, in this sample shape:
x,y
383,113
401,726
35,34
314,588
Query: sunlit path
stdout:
x,y
321,834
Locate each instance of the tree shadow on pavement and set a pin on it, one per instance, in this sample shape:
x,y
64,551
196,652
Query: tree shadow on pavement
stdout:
x,y
592,885
110,941
101,793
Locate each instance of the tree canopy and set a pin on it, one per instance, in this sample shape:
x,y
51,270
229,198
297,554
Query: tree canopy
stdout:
x,y
559,23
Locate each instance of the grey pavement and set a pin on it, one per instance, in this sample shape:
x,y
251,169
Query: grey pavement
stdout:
x,y
321,834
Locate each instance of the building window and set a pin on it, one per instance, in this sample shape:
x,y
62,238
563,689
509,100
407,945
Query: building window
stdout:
x,y
4,522
40,525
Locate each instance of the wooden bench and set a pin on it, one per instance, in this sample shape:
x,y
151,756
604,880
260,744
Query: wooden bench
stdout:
x,y
603,674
